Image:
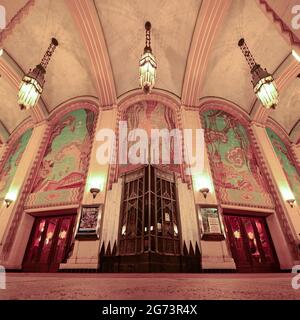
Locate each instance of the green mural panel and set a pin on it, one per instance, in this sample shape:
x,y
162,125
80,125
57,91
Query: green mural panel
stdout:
x,y
236,172
67,153
11,164
286,163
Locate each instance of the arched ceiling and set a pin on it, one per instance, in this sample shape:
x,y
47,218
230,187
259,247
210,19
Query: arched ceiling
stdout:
x,y
120,29
172,22
228,74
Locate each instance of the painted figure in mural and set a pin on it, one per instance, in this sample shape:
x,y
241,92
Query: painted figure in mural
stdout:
x,y
12,162
67,153
237,174
287,163
149,115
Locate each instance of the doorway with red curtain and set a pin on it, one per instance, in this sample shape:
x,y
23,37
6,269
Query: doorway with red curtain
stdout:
x,y
251,244
49,243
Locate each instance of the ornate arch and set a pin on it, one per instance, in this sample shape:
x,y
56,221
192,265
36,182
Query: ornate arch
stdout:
x,y
217,103
135,97
13,138
75,195
88,103
249,173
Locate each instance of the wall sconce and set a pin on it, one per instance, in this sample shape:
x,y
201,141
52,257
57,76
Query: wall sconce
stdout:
x,y
8,202
94,192
291,202
204,191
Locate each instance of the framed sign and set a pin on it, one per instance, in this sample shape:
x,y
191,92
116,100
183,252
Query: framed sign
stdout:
x,y
210,224
89,223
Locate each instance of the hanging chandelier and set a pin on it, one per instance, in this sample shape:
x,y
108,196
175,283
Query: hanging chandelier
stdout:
x,y
148,64
263,83
32,83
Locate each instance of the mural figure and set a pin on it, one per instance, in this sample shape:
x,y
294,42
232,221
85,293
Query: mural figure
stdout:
x,y
12,162
236,172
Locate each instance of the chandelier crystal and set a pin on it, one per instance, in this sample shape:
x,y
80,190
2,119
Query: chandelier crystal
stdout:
x,y
32,83
263,82
148,64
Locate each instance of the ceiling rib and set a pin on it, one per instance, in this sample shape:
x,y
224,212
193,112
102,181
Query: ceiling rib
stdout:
x,y
86,17
210,17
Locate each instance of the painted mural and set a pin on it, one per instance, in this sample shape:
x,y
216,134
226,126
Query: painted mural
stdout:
x,y
236,173
149,115
12,163
288,167
62,171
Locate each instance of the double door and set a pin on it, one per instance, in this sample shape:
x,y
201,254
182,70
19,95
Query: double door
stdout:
x,y
251,244
48,244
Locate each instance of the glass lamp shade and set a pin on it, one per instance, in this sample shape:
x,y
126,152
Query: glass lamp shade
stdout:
x,y
148,68
264,87
31,88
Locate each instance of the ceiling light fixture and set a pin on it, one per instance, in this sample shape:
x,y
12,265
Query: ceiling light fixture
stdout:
x,y
148,64
32,83
263,83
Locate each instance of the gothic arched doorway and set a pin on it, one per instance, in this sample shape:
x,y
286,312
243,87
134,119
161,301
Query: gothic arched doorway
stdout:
x,y
149,228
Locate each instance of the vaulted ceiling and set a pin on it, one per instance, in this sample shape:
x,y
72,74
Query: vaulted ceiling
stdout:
x,y
194,41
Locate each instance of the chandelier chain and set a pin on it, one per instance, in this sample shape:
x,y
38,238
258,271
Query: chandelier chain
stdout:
x,y
49,53
148,39
248,55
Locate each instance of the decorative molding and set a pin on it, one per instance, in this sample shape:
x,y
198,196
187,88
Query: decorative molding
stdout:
x,y
163,94
216,103
281,25
70,106
295,133
17,133
27,187
209,20
280,212
86,17
272,124
278,129
289,73
17,18
243,118
138,96
4,133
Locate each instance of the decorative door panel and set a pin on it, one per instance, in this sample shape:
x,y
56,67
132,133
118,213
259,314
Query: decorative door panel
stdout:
x,y
49,243
251,244
149,217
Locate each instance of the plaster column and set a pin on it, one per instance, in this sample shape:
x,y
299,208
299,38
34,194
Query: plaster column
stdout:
x,y
215,254
8,224
85,254
287,237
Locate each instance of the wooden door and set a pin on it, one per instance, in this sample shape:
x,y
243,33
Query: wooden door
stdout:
x,y
49,242
251,244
